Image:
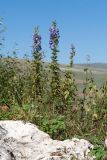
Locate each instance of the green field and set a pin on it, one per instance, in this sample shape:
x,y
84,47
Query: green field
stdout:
x,y
98,70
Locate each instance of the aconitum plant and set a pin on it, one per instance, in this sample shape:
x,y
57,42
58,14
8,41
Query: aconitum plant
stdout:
x,y
37,67
54,36
55,70
72,54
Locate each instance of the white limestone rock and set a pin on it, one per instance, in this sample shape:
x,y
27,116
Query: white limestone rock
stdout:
x,y
24,141
106,142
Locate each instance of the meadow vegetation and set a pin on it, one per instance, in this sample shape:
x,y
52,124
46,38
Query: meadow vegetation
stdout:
x,y
45,97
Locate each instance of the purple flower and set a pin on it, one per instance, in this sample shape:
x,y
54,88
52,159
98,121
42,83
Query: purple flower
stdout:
x,y
36,42
54,35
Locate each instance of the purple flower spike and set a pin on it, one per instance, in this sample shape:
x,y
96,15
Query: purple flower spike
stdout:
x,y
54,36
36,41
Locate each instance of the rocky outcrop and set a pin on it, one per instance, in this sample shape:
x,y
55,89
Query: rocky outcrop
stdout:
x,y
24,141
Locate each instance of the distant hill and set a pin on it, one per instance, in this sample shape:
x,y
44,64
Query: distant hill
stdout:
x,y
96,65
99,70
